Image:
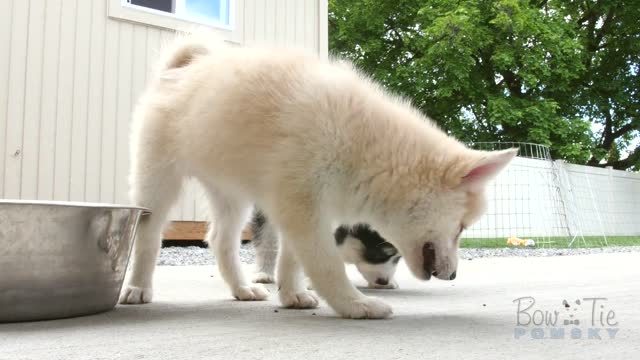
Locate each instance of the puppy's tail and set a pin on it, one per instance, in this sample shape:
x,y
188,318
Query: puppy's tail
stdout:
x,y
187,47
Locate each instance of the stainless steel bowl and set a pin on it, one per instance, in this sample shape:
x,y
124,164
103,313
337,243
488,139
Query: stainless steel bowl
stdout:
x,y
62,259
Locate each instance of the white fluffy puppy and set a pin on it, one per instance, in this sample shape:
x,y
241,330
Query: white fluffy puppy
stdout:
x,y
312,143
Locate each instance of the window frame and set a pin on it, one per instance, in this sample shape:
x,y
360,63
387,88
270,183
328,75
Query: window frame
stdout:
x,y
123,10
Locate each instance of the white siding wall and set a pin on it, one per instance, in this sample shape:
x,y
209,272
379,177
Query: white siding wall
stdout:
x,y
70,76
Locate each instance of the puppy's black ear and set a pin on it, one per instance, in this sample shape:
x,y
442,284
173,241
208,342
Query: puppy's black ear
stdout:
x,y
341,234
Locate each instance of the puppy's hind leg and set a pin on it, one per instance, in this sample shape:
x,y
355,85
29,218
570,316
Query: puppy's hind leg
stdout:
x,y
229,215
265,241
156,187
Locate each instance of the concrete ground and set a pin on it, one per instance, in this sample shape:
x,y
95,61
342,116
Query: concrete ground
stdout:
x,y
472,317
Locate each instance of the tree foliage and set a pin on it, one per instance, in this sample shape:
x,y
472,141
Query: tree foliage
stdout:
x,y
558,73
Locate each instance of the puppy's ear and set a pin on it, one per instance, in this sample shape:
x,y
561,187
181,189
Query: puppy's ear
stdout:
x,y
389,250
485,168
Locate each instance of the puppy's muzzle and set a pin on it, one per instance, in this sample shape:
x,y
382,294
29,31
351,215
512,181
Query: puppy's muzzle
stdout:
x,y
429,263
429,260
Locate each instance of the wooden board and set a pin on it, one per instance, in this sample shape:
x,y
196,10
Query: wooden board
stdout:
x,y
194,230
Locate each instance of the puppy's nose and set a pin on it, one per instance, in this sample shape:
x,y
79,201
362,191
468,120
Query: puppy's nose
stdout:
x,y
452,276
382,282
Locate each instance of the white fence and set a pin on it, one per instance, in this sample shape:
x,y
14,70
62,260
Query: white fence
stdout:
x,y
546,199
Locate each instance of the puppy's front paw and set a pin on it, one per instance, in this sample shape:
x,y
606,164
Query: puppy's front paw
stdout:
x,y
390,285
367,308
263,278
135,295
301,300
251,293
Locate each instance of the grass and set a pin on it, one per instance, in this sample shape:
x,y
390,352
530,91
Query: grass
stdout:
x,y
555,242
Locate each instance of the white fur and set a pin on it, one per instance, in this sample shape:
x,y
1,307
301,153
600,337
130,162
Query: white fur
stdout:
x,y
313,144
266,245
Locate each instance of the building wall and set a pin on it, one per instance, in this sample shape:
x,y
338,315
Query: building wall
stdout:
x,y
70,75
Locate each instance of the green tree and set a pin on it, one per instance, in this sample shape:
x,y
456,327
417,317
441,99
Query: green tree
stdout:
x,y
558,73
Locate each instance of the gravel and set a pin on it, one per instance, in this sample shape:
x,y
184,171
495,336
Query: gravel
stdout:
x,y
193,255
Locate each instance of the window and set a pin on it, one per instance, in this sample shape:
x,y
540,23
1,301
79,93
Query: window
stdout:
x,y
223,16
208,12
160,5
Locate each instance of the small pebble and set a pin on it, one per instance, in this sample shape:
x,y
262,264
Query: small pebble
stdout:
x,y
275,311
484,304
313,313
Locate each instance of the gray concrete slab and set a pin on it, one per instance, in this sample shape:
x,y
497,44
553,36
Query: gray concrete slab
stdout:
x,y
473,317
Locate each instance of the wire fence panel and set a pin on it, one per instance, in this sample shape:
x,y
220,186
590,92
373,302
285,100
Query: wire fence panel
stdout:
x,y
554,202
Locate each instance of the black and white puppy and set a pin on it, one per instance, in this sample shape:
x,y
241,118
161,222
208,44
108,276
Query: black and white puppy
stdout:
x,y
373,256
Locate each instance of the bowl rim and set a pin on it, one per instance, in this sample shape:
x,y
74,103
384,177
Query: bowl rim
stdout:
x,y
73,204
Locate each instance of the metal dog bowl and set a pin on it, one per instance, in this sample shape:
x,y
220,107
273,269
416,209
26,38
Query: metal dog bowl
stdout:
x,y
62,259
